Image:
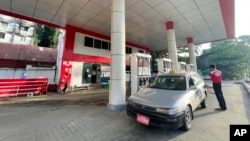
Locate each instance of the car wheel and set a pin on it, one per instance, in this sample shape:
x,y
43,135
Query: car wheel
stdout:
x,y
188,116
204,102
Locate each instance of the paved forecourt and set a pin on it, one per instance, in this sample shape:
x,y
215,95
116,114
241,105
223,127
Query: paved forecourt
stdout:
x,y
84,117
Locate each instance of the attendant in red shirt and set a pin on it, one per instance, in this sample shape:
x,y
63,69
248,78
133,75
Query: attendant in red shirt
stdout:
x,y
216,77
66,81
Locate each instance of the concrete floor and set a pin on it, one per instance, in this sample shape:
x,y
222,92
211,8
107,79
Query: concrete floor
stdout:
x,y
84,117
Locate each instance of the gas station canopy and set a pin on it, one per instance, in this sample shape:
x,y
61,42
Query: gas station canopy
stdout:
x,y
203,20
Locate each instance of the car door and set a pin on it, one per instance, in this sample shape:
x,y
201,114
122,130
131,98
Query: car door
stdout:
x,y
193,93
201,85
200,88
197,84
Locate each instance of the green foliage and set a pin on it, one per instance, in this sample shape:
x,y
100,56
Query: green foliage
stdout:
x,y
184,59
230,56
164,54
197,50
46,36
159,54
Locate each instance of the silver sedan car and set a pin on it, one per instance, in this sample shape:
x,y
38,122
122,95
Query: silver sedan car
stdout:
x,y
169,101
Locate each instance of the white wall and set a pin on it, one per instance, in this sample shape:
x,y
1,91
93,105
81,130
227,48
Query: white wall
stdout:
x,y
6,39
32,72
76,74
10,73
17,39
81,49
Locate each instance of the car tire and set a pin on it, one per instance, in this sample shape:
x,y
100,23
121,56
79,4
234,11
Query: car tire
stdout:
x,y
188,116
204,102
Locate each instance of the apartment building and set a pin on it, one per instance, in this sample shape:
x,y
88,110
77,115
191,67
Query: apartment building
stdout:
x,y
15,30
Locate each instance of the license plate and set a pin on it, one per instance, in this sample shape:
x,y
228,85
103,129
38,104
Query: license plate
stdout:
x,y
143,119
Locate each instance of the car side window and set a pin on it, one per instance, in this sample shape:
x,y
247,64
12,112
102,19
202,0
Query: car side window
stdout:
x,y
191,82
197,80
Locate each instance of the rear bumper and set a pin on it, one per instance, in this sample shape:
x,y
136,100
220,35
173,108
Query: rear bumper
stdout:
x,y
157,119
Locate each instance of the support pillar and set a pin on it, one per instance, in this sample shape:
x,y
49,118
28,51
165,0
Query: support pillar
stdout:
x,y
59,62
172,50
191,50
117,91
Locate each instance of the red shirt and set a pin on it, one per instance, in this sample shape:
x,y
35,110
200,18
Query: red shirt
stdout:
x,y
67,78
216,76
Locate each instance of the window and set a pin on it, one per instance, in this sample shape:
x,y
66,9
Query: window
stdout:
x,y
128,50
97,43
141,51
197,78
2,35
23,39
88,42
24,28
191,82
128,69
4,25
105,45
169,83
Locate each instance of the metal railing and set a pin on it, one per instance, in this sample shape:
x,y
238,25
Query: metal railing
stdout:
x,y
21,87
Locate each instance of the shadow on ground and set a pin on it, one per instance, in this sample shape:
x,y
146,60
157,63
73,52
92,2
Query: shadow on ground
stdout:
x,y
59,102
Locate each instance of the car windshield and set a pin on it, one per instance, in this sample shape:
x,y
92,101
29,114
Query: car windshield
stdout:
x,y
169,83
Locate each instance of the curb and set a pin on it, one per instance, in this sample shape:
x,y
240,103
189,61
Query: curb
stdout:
x,y
247,86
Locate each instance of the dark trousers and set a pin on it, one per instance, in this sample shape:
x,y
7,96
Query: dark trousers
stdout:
x,y
219,95
65,87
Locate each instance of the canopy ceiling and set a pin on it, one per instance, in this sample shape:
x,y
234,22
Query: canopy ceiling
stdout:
x,y
203,20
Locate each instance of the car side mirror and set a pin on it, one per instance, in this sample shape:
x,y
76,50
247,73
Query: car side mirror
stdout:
x,y
192,87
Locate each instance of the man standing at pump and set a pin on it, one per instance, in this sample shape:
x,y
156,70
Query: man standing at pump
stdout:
x,y
216,77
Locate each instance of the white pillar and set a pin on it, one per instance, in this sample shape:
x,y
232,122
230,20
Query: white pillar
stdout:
x,y
172,50
117,91
60,48
191,50
134,73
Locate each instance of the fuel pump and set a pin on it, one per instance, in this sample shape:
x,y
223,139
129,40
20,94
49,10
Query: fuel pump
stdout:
x,y
190,67
182,67
66,68
140,71
164,65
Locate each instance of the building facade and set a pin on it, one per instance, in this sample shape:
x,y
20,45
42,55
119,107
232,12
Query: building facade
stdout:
x,y
86,56
14,30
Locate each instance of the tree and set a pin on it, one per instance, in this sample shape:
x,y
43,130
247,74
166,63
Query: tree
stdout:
x,y
244,40
164,54
230,56
185,50
46,36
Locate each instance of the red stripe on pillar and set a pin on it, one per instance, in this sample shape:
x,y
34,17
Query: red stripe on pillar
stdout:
x,y
228,10
189,40
170,25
